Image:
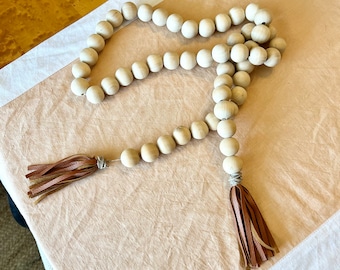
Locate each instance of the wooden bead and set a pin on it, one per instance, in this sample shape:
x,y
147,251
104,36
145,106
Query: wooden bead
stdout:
x,y
226,128
251,11
225,109
229,146
273,57
95,94
204,58
154,62
89,56
188,60
260,34
206,27
81,70
241,78
235,38
149,152
223,79
110,85
212,121
182,135
96,42
79,86
189,29
239,53
105,29
124,76
199,130
222,92
251,44
129,11
166,144
262,16
257,56
144,12
140,70
171,60
159,17
115,18
174,23
237,15
232,165
129,157
278,43
273,32
246,30
239,95
225,68
221,53
245,66
222,22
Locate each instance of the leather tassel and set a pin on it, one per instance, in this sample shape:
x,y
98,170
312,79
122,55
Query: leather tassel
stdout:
x,y
255,240
49,178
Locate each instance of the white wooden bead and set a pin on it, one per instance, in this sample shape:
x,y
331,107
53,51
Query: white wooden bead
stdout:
x,y
204,58
239,53
110,85
225,109
129,157
129,11
155,62
220,93
225,68
166,144
278,43
262,16
81,70
95,94
79,86
124,76
189,29
212,121
140,70
245,66
144,12
237,15
235,38
174,23
149,152
251,11
239,95
188,60
222,22
251,44
89,56
273,32
257,56
232,165
199,130
182,135
96,42
226,128
241,78
260,34
223,79
105,29
206,27
246,30
273,57
115,17
159,17
171,60
221,53
229,146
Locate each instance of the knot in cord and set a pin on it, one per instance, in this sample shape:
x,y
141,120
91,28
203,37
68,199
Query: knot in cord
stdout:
x,y
235,179
101,163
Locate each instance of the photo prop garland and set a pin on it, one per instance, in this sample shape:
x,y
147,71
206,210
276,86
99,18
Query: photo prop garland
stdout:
x,y
256,45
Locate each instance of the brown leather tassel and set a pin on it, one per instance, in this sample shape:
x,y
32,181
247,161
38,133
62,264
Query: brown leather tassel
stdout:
x,y
49,178
255,240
